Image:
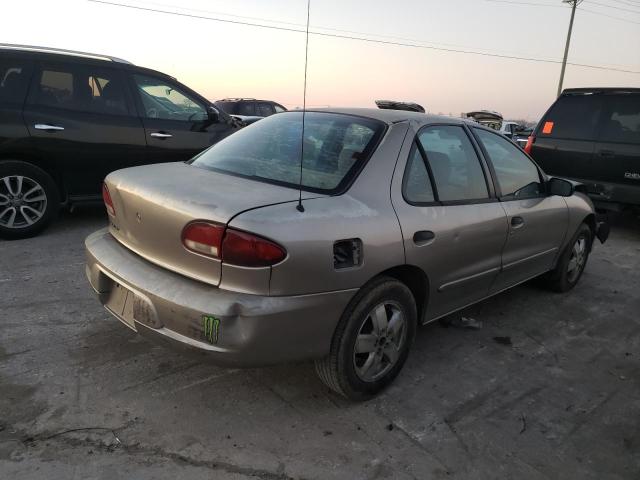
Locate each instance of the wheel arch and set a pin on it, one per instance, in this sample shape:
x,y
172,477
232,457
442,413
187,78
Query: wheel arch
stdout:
x,y
37,162
416,281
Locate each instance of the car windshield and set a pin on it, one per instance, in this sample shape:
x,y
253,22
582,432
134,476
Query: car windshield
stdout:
x,y
335,147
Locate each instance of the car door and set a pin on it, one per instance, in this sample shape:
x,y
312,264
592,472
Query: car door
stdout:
x,y
177,123
82,123
452,224
537,221
617,152
15,73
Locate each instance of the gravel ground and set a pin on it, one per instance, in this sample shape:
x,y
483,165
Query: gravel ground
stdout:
x,y
548,388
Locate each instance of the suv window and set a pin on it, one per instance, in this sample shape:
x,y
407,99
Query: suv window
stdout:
x,y
455,166
416,184
161,99
14,79
573,117
265,109
516,174
245,108
621,122
82,89
278,108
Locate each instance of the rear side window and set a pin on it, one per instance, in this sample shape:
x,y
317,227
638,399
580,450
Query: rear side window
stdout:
x,y
572,117
455,166
14,80
81,89
621,122
246,108
264,110
416,184
516,174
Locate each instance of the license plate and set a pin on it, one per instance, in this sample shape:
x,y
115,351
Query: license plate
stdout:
x,y
120,303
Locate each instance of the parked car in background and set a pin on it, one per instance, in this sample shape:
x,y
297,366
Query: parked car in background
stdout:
x,y
517,132
249,110
67,119
403,219
592,135
487,118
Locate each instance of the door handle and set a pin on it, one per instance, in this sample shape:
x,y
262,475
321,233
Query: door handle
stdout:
x,y
423,237
44,126
517,222
161,135
606,153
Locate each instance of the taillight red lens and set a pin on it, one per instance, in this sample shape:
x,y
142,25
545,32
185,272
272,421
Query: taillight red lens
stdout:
x,y
106,197
529,146
248,250
204,238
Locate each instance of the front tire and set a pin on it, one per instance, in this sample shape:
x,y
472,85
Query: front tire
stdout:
x,y
29,200
572,262
372,340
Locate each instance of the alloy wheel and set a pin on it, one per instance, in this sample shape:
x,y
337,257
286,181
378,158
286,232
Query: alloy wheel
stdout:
x,y
23,201
380,341
578,258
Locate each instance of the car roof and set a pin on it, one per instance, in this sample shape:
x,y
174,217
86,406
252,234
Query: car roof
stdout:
x,y
575,91
35,50
392,116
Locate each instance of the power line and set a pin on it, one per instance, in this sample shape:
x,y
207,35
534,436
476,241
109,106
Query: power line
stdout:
x,y
590,2
582,9
361,38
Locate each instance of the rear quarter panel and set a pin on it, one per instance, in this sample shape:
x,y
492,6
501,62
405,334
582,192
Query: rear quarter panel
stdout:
x,y
364,212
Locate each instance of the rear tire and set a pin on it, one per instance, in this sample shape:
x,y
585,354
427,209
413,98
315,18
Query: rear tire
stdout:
x,y
29,199
572,262
372,340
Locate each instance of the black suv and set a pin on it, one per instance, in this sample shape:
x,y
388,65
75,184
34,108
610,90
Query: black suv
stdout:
x,y
67,119
593,135
249,110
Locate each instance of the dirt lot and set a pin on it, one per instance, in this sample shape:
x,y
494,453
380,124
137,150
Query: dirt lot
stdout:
x,y
83,397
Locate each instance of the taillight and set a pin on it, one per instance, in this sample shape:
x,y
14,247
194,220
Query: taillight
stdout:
x,y
106,197
248,250
231,246
204,238
529,146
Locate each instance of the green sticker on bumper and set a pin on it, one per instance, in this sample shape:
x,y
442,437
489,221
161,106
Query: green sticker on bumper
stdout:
x,y
210,328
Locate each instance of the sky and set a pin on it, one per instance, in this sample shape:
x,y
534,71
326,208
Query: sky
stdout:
x,y
227,59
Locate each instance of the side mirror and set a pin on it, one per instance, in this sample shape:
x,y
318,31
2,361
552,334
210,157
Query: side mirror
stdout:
x,y
214,114
560,187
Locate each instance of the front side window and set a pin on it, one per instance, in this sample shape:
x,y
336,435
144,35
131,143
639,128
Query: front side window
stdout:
x,y
517,175
455,166
162,100
335,147
278,108
14,79
621,123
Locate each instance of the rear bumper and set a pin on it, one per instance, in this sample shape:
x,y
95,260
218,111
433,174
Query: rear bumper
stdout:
x,y
235,329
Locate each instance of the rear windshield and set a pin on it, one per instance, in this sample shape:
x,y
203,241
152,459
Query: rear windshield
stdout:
x,y
336,146
572,117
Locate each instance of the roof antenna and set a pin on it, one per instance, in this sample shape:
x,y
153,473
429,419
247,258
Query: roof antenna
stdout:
x,y
299,207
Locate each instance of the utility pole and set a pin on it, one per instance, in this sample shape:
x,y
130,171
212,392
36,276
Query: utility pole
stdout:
x,y
574,4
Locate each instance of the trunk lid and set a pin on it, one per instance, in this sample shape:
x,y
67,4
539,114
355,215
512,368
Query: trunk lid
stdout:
x,y
154,203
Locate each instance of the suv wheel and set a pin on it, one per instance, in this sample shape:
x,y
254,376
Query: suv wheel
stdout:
x,y
29,199
573,261
372,340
